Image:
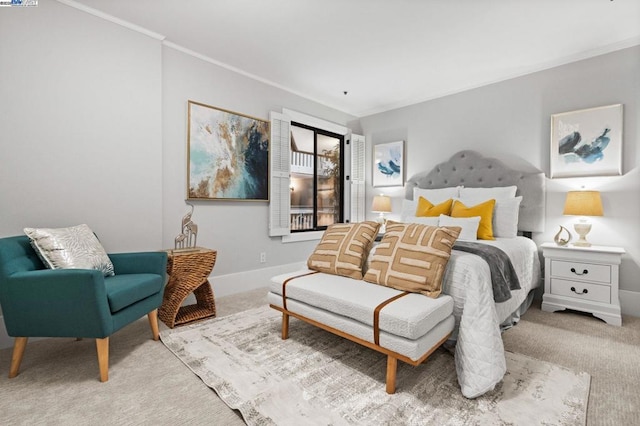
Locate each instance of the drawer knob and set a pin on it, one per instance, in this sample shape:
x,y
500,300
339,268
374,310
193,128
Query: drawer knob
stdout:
x,y
584,271
584,291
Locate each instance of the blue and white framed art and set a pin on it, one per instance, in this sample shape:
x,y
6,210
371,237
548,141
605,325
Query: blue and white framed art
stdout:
x,y
587,142
388,164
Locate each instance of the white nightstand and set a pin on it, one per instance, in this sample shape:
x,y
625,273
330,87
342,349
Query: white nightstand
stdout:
x,y
584,279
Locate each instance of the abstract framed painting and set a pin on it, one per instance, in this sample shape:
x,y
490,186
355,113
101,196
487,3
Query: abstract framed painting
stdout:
x,y
587,142
388,164
228,155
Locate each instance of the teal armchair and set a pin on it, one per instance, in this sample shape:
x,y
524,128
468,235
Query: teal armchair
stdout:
x,y
81,303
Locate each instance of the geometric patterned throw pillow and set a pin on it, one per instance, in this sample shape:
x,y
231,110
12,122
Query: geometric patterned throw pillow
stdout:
x,y
412,257
76,247
344,248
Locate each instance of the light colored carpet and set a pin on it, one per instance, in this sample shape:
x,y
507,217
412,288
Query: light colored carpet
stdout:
x,y
583,343
317,378
58,383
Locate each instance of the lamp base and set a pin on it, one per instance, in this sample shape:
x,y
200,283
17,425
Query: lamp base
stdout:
x,y
584,243
382,221
582,229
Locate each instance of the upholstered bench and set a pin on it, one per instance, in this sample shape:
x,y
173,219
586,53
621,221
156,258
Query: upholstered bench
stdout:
x,y
404,326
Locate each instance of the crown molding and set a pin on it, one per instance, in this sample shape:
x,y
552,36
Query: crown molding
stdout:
x,y
112,18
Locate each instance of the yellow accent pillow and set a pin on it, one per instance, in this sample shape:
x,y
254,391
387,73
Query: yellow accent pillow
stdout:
x,y
426,208
484,210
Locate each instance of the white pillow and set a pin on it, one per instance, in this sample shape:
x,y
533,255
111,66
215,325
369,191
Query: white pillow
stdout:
x,y
422,220
76,247
436,196
469,226
473,196
408,209
505,217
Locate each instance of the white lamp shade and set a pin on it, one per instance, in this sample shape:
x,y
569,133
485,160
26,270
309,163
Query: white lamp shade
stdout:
x,y
381,204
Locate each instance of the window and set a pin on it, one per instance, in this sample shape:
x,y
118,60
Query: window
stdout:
x,y
307,192
317,195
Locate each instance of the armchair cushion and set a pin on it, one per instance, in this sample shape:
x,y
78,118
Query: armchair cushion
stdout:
x,y
126,289
76,247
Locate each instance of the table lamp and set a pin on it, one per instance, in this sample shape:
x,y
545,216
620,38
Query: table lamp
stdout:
x,y
583,203
381,204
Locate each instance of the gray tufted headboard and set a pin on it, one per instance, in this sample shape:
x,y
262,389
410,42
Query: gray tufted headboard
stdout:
x,y
472,170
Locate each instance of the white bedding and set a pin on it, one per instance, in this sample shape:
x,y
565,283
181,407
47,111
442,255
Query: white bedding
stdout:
x,y
479,354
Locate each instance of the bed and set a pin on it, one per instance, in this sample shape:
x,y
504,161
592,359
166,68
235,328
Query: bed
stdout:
x,y
478,319
479,351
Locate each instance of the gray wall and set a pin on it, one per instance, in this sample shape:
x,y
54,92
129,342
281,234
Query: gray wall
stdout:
x,y
93,127
80,126
238,230
93,130
511,120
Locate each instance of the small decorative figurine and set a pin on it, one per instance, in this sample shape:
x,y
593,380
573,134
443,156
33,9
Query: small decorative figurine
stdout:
x,y
562,241
187,238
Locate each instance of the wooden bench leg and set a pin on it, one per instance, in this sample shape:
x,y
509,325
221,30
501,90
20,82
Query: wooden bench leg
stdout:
x,y
16,358
392,367
153,322
102,345
285,326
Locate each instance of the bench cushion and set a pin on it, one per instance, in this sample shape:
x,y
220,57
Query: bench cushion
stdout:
x,y
410,316
413,349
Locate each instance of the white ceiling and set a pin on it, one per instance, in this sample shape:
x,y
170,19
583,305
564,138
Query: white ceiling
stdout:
x,y
385,54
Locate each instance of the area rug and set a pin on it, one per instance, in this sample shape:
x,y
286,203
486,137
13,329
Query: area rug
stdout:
x,y
317,378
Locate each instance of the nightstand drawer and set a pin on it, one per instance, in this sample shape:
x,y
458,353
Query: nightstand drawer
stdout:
x,y
581,290
581,271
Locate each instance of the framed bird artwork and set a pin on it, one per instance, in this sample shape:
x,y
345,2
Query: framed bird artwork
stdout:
x,y
587,142
388,167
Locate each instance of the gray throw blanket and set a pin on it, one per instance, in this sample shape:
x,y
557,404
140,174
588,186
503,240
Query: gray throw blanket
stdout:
x,y
503,274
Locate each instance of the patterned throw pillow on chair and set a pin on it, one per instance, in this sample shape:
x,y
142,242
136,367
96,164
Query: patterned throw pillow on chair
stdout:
x,y
343,249
76,247
412,257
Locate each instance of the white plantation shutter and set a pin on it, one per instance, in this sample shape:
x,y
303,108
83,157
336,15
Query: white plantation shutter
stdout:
x,y
358,171
279,164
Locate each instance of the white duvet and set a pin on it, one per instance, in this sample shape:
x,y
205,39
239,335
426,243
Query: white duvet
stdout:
x,y
479,353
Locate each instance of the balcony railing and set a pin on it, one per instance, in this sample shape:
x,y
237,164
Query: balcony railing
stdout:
x,y
302,162
302,219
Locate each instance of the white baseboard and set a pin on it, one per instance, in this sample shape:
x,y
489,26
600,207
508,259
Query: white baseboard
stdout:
x,y
630,303
224,285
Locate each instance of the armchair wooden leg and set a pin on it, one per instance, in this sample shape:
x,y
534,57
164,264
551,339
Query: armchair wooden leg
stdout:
x,y
153,322
18,351
102,345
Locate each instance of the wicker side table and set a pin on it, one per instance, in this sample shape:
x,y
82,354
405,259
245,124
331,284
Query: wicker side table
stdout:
x,y
188,271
